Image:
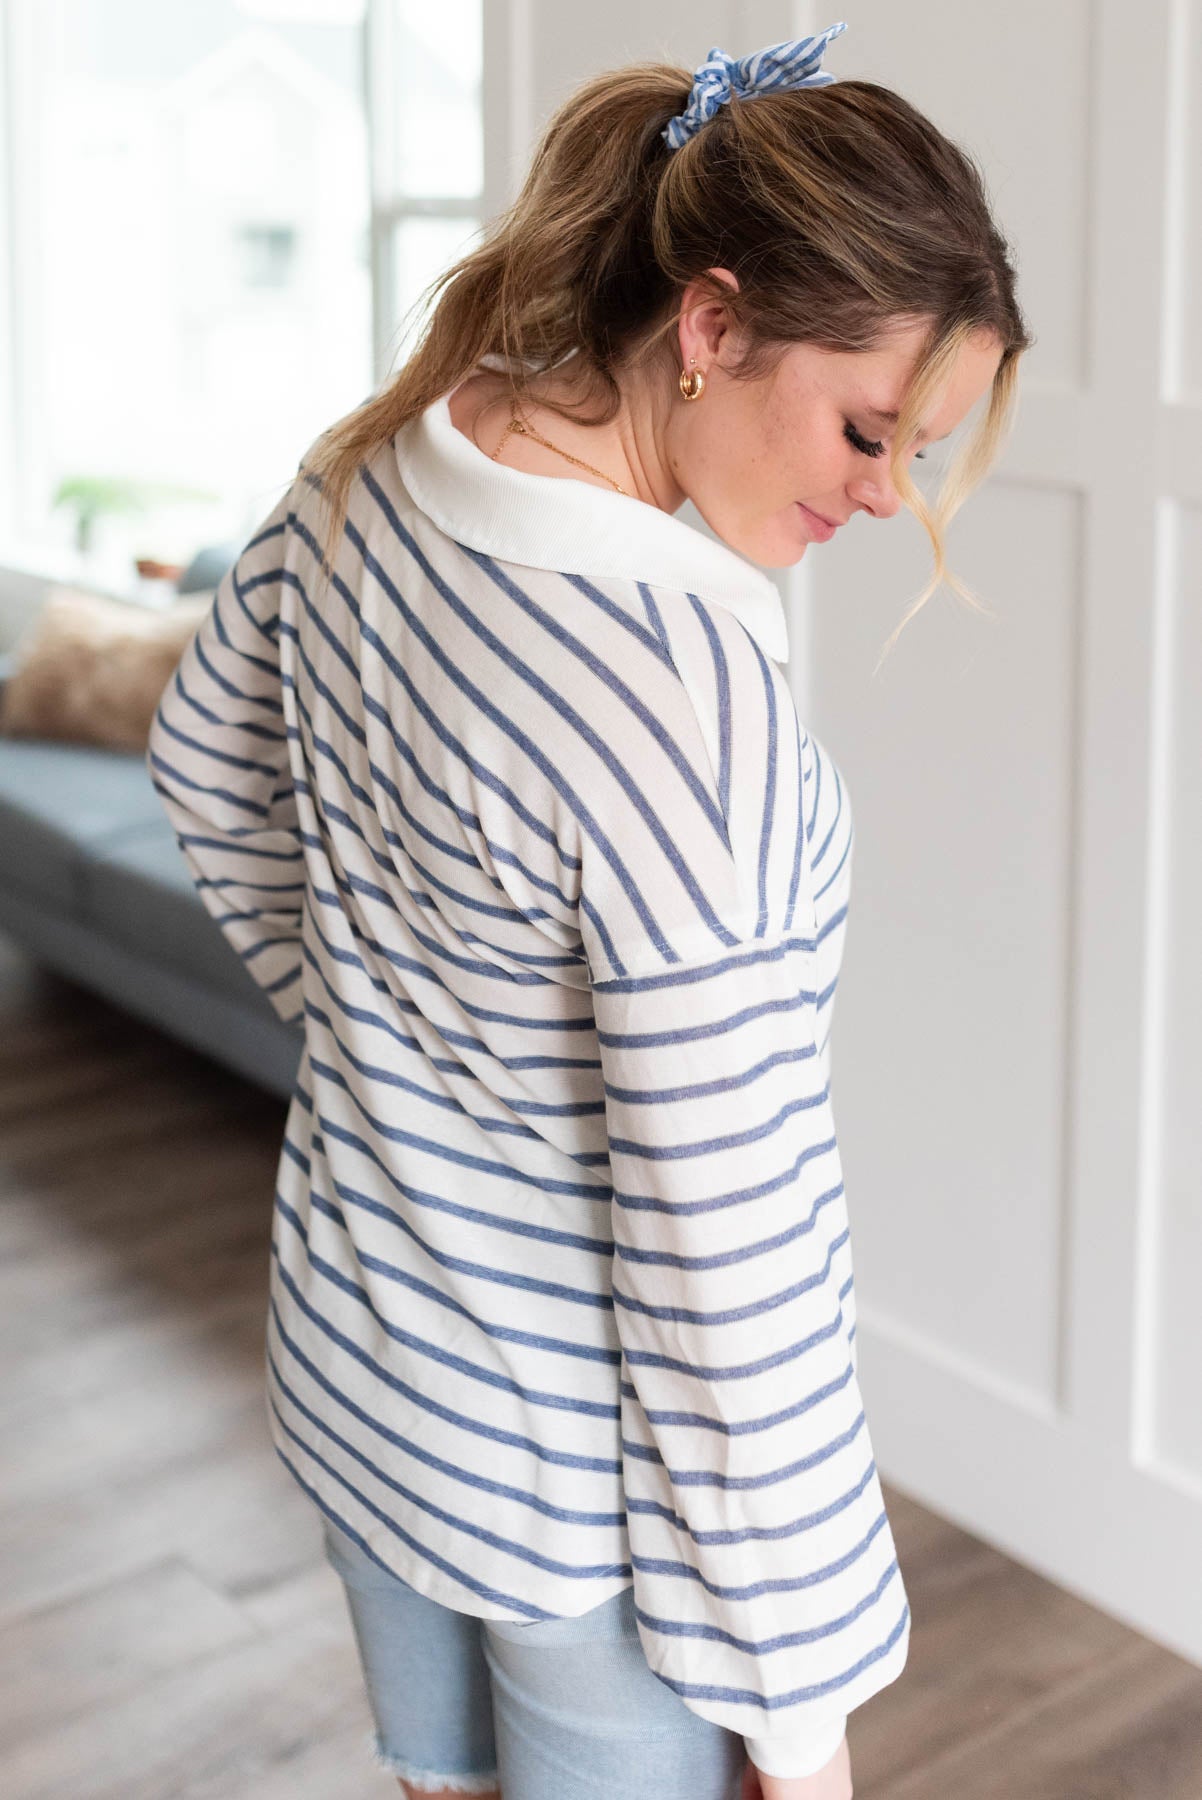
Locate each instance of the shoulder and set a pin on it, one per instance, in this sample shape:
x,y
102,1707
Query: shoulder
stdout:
x,y
712,849
740,696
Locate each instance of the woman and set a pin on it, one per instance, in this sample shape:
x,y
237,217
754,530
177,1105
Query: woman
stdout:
x,y
487,766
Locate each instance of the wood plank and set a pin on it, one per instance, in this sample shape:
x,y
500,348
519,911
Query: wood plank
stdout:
x,y
170,1626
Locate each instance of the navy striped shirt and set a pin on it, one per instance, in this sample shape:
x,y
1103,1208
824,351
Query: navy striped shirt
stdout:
x,y
518,820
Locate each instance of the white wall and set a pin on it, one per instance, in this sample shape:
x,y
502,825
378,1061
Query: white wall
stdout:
x,y
1020,1011
1018,1046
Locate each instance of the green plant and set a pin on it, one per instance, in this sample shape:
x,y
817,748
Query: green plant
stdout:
x,y
93,496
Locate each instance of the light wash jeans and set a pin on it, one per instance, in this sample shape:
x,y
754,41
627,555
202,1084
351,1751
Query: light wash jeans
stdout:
x,y
561,1709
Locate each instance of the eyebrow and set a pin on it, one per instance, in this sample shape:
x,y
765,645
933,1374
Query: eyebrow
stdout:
x,y
891,418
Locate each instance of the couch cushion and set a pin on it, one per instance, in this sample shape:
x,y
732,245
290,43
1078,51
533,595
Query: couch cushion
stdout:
x,y
140,891
58,802
90,669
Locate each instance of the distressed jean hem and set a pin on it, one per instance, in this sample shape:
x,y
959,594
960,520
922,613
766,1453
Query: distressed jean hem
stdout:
x,y
432,1779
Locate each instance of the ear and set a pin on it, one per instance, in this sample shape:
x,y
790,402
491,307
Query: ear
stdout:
x,y
705,324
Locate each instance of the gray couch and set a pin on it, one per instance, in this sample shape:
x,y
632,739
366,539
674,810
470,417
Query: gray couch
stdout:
x,y
93,883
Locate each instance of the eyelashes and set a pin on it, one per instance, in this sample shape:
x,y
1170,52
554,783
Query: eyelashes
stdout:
x,y
864,446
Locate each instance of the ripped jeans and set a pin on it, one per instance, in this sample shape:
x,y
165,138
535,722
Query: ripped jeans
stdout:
x,y
562,1709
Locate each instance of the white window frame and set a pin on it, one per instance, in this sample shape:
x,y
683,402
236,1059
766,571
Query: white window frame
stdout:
x,y
390,207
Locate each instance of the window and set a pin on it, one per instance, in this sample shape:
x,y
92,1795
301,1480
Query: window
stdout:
x,y
425,68
267,254
218,212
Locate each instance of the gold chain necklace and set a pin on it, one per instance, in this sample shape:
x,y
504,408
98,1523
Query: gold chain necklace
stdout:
x,y
524,430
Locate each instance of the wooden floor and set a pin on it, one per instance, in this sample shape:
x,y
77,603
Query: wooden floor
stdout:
x,y
168,1627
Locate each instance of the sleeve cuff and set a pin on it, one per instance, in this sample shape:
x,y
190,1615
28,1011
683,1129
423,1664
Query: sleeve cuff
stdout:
x,y
801,1752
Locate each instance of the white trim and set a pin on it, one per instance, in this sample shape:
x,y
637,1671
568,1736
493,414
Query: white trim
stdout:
x,y
378,39
507,100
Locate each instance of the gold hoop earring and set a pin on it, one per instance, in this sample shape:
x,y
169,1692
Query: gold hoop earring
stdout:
x,y
692,381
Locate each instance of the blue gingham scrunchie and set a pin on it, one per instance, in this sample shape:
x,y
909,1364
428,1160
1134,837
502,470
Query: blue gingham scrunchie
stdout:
x,y
791,64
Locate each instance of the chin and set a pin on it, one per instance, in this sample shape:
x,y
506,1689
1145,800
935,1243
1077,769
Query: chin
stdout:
x,y
784,552
776,545
771,564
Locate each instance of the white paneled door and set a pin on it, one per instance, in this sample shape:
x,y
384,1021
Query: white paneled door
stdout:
x,y
1019,1057
1017,1054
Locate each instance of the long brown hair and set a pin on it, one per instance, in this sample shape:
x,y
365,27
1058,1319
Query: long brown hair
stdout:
x,y
841,210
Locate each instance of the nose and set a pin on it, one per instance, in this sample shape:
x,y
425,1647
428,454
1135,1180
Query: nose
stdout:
x,y
876,493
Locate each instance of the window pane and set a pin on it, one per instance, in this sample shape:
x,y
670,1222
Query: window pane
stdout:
x,y
422,247
202,282
439,126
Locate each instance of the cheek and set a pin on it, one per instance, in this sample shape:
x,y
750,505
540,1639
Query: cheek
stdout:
x,y
806,455
810,471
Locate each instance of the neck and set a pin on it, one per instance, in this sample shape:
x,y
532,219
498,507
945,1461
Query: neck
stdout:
x,y
632,446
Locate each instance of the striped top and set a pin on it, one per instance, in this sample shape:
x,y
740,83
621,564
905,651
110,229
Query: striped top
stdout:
x,y
519,821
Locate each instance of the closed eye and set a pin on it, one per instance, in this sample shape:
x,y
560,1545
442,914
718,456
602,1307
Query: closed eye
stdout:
x,y
866,447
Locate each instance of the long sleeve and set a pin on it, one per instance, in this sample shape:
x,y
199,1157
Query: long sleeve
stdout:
x,y
218,756
768,1593
830,831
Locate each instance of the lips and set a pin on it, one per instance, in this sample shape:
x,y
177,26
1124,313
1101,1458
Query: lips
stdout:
x,y
821,530
822,516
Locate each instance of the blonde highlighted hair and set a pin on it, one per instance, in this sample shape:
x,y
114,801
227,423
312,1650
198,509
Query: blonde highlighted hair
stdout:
x,y
841,210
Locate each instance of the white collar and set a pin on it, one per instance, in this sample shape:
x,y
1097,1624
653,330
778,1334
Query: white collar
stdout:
x,y
556,522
